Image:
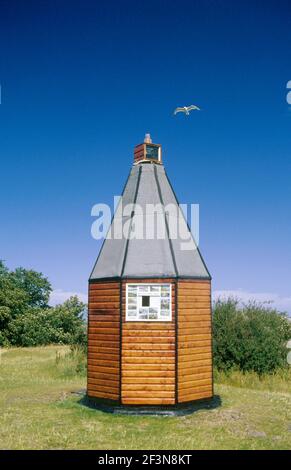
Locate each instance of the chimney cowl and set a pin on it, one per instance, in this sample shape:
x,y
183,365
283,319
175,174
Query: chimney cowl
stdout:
x,y
147,139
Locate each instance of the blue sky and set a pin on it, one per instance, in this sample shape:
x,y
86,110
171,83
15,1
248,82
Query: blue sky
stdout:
x,y
83,81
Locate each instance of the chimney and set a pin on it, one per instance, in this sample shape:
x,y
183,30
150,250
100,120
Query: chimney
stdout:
x,y
148,152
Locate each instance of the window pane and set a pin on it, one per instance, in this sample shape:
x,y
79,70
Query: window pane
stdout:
x,y
152,152
145,300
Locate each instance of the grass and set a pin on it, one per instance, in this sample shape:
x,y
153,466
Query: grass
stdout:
x,y
280,381
39,410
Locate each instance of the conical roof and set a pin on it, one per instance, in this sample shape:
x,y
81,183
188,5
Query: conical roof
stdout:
x,y
131,257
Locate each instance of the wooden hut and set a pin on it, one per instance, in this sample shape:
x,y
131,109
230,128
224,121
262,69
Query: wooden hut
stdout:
x,y
149,322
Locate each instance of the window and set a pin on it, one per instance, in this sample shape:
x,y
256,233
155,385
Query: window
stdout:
x,y
152,151
148,302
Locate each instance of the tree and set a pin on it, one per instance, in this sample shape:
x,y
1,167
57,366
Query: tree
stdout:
x,y
13,301
26,319
36,286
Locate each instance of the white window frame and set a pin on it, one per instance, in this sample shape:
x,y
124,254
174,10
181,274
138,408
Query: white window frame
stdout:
x,y
130,319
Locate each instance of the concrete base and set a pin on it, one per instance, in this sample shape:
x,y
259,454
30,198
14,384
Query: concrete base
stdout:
x,y
181,409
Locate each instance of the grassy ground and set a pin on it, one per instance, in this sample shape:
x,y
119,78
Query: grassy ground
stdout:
x,y
39,411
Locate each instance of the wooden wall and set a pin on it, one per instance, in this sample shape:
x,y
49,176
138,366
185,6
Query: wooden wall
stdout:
x,y
149,349
148,357
104,340
194,340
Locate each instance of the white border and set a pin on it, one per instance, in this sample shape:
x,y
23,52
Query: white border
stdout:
x,y
149,284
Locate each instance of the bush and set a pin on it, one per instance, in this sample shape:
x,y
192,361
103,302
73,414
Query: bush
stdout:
x,y
62,324
249,338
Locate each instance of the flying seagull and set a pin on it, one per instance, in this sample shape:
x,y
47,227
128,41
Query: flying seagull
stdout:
x,y
186,109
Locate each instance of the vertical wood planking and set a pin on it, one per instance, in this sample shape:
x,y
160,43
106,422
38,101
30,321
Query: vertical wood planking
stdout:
x,y
194,340
103,378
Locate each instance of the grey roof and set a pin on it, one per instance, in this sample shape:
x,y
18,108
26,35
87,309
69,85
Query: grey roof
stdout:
x,y
144,258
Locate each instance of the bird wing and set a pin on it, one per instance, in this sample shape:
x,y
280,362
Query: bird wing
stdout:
x,y
193,107
179,110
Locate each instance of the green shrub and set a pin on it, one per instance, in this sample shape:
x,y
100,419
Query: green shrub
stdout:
x,y
249,338
62,324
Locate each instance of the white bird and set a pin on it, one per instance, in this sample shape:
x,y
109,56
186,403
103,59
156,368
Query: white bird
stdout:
x,y
186,109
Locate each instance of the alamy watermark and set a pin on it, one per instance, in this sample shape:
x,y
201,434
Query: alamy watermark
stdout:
x,y
288,96
147,222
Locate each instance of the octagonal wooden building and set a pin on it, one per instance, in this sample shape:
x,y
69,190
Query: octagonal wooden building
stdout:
x,y
149,320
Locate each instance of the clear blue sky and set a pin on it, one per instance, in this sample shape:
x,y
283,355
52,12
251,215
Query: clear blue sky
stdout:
x,y
82,81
